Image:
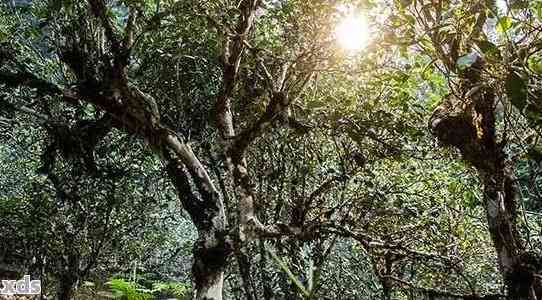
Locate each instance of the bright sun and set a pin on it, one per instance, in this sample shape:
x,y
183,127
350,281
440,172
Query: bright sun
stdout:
x,y
353,33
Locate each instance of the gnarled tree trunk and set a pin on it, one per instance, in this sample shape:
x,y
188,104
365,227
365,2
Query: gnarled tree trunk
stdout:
x,y
102,80
213,247
469,125
68,279
65,290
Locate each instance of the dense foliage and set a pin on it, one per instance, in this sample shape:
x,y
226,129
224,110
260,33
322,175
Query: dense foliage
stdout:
x,y
155,149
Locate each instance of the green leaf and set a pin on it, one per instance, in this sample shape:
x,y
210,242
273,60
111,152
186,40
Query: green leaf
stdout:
x,y
533,113
519,4
288,272
516,89
535,64
56,5
466,61
470,199
536,7
405,3
504,24
535,154
489,49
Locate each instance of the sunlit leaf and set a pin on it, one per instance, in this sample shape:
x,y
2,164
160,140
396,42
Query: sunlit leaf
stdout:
x,y
504,24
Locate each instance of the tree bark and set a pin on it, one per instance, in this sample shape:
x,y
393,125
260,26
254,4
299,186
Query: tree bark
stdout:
x,y
134,112
519,267
234,158
244,262
471,128
65,290
213,247
66,285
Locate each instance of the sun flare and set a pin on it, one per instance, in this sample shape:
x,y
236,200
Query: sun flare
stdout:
x,y
353,33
